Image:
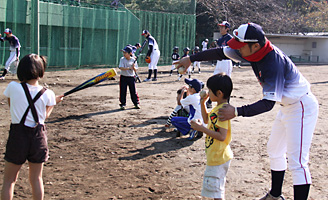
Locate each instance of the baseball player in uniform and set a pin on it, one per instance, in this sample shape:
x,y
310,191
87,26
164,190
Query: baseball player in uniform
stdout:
x,y
204,44
282,83
14,51
196,63
223,65
153,53
175,57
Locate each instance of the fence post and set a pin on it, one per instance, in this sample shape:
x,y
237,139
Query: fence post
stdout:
x,y
35,27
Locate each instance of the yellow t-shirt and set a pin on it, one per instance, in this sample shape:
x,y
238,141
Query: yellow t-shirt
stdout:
x,y
218,152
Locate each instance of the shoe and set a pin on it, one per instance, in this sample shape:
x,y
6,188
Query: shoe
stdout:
x,y
122,108
199,135
178,134
199,72
170,75
192,134
154,79
146,80
268,196
136,106
2,78
179,78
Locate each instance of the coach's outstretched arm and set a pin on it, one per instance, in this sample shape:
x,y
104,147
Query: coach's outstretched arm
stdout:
x,y
207,55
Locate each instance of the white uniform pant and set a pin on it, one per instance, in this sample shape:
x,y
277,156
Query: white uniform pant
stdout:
x,y
154,57
291,137
173,65
11,61
196,63
223,66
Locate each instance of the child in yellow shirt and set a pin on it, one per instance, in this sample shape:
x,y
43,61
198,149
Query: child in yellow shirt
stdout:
x,y
218,137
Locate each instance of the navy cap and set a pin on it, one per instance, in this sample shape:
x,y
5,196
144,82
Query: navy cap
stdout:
x,y
144,32
127,49
194,83
7,31
246,33
225,23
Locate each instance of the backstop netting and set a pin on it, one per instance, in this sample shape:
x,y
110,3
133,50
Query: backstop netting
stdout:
x,y
75,34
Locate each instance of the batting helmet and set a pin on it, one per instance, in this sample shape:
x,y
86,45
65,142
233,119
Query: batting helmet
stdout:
x,y
176,48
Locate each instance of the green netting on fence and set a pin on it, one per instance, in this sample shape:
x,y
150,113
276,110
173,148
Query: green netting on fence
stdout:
x,y
74,35
169,30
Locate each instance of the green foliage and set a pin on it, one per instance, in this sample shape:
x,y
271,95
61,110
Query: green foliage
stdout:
x,y
279,16
172,6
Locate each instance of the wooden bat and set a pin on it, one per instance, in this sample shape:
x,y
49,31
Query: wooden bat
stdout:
x,y
93,81
141,48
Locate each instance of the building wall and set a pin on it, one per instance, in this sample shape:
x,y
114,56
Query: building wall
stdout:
x,y
316,48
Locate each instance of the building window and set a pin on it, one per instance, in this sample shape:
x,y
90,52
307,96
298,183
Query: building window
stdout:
x,y
314,45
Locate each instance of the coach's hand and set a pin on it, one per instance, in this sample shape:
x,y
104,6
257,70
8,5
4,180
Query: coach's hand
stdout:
x,y
185,62
226,112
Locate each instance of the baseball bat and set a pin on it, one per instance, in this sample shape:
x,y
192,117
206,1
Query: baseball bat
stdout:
x,y
93,81
140,50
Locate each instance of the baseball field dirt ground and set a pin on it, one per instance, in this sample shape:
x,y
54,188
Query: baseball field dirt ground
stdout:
x,y
100,152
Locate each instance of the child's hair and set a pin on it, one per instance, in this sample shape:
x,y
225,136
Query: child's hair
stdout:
x,y
220,82
31,66
179,92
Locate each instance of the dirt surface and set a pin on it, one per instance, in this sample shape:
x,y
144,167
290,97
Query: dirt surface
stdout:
x,y
100,152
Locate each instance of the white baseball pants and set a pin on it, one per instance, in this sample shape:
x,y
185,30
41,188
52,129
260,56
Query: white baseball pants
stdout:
x,y
223,66
291,137
154,57
11,59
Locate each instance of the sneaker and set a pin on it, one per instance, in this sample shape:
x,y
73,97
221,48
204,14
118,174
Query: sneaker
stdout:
x,y
178,134
192,134
2,78
154,79
136,106
199,135
179,78
199,72
268,196
170,75
122,107
146,80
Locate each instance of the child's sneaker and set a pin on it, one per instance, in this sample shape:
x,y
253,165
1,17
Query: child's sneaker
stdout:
x,y
122,107
199,135
147,80
178,134
136,106
192,134
2,78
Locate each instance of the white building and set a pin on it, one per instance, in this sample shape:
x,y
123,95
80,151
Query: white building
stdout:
x,y
308,48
